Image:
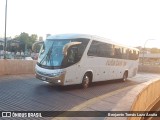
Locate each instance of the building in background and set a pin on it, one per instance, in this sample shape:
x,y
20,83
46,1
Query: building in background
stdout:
x,y
150,58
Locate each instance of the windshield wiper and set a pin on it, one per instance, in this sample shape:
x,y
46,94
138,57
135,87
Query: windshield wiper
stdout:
x,y
48,55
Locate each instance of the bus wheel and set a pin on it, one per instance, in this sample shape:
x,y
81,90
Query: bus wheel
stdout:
x,y
125,75
86,81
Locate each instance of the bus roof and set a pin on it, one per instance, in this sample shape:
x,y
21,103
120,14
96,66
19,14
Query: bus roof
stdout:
x,y
87,36
68,36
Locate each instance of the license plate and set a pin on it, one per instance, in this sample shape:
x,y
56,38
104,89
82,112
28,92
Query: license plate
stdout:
x,y
43,78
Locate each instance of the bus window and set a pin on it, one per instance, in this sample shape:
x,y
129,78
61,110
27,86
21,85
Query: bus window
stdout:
x,y
93,49
101,50
117,52
98,49
71,56
109,50
135,55
74,53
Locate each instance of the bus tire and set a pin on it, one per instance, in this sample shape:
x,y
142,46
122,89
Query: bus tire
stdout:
x,y
125,75
86,81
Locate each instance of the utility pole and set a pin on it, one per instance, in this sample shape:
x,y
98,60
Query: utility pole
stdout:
x,y
5,40
144,50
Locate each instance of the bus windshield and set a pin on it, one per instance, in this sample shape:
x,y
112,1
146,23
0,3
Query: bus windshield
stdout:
x,y
51,54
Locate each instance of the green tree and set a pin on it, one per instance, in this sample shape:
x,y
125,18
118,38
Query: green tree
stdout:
x,y
26,40
32,39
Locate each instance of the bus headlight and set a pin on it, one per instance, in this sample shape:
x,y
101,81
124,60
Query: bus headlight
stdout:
x,y
59,81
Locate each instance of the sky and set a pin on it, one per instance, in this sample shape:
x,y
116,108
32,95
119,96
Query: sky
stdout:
x,y
129,22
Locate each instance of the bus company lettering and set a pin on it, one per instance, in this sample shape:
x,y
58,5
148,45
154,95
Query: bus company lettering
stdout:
x,y
115,63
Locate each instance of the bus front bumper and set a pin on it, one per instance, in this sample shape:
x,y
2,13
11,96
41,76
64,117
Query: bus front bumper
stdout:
x,y
59,80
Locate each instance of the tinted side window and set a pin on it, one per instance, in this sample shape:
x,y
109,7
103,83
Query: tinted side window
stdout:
x,y
93,49
135,55
109,50
101,49
124,53
75,52
118,52
98,49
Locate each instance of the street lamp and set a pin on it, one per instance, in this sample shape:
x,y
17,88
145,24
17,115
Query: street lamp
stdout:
x,y
5,40
144,50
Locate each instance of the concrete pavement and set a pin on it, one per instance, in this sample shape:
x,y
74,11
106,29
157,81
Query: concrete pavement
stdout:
x,y
110,100
27,93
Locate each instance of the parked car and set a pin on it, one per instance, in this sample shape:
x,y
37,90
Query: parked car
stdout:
x,y
28,58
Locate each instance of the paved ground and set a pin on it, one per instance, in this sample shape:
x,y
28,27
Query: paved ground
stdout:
x,y
25,93
108,101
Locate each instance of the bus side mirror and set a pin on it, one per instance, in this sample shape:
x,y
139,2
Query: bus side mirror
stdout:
x,y
35,44
68,45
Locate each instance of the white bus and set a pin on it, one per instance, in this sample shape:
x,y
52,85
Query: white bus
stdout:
x,y
67,59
